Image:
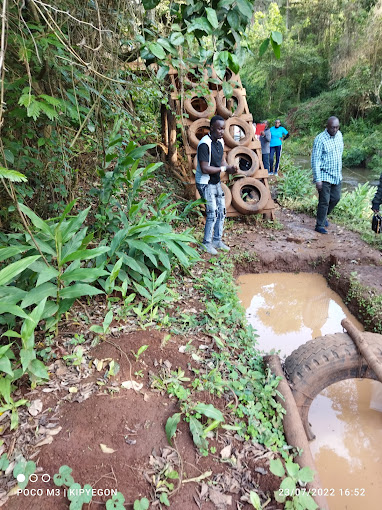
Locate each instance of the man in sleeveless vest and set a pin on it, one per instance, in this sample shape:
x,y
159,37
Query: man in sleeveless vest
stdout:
x,y
210,164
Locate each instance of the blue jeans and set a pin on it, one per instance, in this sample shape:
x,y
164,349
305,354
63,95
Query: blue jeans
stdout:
x,y
215,207
328,198
266,161
278,151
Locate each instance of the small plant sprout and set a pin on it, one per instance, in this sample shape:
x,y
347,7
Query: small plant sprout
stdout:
x,y
76,358
103,330
4,462
165,341
116,502
141,504
255,500
22,472
78,495
63,477
139,352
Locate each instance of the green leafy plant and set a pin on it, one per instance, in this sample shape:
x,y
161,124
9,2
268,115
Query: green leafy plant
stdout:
x,y
116,502
139,352
255,500
105,328
25,469
141,504
76,358
290,492
4,462
79,496
64,477
198,431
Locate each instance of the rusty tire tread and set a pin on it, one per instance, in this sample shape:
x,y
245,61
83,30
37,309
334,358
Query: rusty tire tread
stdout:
x,y
240,205
326,354
194,114
224,111
323,361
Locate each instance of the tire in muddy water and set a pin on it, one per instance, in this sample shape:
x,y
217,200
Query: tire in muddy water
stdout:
x,y
326,360
249,195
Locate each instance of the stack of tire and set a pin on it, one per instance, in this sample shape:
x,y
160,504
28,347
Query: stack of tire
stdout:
x,y
247,195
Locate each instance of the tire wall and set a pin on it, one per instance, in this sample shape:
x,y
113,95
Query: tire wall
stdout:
x,y
241,146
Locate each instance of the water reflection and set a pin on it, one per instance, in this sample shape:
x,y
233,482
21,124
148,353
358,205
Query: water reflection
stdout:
x,y
287,310
347,420
290,310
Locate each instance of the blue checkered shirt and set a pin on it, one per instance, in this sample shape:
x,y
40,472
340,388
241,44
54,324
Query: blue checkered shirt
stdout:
x,y
327,157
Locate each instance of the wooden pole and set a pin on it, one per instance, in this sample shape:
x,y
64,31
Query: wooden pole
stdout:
x,y
363,347
294,429
172,149
164,126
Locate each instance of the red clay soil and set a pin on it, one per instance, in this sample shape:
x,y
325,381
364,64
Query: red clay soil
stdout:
x,y
133,424
93,410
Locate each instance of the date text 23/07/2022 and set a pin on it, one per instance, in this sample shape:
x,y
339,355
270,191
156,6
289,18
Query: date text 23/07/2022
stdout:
x,y
323,492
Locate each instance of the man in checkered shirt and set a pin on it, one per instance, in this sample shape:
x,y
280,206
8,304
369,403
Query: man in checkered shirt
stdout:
x,y
327,171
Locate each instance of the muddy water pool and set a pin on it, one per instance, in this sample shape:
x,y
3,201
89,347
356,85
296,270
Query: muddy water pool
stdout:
x,y
287,310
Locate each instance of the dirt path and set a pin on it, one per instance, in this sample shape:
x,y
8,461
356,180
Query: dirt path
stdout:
x,y
85,409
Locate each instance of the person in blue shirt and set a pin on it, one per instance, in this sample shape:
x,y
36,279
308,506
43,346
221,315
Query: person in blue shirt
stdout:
x,y
327,152
278,134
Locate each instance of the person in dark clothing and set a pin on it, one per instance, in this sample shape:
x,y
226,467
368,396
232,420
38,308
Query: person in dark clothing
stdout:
x,y
377,200
210,162
265,138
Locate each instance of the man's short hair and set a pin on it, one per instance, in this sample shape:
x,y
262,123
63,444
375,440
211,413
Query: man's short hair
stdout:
x,y
215,119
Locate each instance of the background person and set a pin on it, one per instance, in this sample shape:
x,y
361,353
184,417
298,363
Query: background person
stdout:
x,y
265,138
210,162
278,134
377,200
327,152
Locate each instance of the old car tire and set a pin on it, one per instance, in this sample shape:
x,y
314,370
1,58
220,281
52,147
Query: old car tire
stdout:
x,y
227,194
244,126
230,77
248,186
192,80
222,108
196,126
234,157
194,106
323,361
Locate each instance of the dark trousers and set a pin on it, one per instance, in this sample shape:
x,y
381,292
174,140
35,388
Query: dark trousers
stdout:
x,y
275,150
328,198
266,161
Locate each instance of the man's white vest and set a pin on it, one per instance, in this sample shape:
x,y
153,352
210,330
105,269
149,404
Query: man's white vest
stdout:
x,y
200,177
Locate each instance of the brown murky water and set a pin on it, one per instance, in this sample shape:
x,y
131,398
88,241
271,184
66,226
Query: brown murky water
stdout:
x,y
287,310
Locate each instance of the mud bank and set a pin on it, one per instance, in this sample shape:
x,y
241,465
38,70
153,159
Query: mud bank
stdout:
x,y
352,268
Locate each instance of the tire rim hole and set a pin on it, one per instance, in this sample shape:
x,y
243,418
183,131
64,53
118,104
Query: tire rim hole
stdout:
x,y
199,104
244,162
236,132
250,194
